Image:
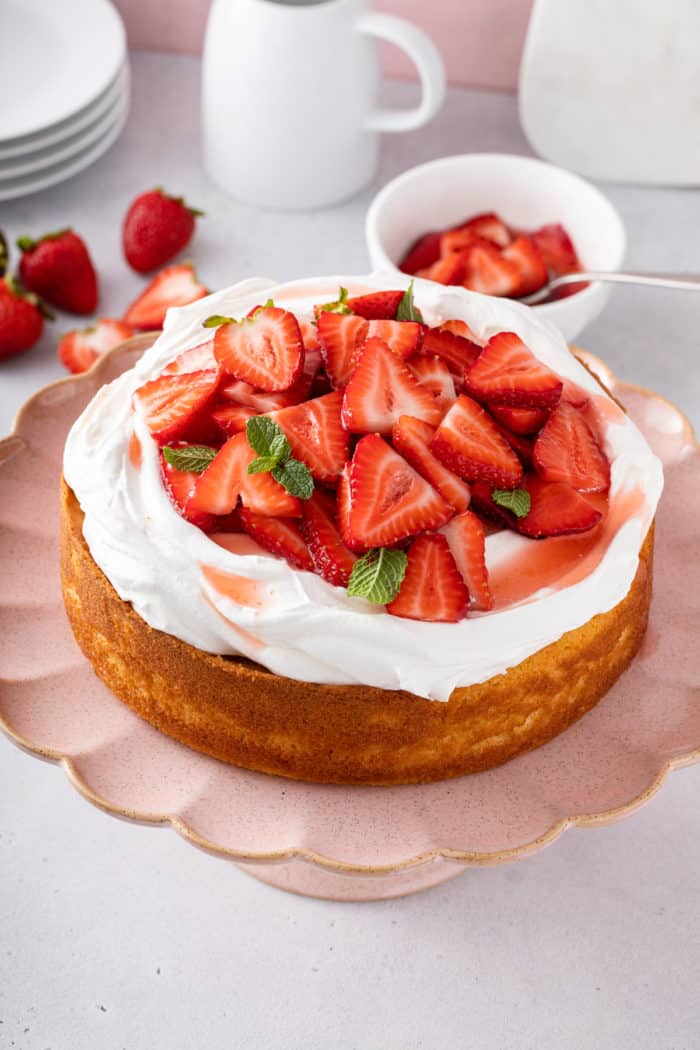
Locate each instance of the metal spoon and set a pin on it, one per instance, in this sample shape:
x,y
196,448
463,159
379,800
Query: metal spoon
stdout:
x,y
686,281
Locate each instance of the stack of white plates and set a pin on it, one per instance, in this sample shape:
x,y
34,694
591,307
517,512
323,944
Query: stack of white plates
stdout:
x,y
65,94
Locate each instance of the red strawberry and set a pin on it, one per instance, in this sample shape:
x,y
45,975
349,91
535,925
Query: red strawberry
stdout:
x,y
316,434
463,329
226,478
422,254
519,420
490,227
340,336
156,227
173,405
522,446
389,500
376,306
435,376
466,540
456,240
574,394
180,485
412,437
450,269
331,558
280,536
174,286
557,249
58,267
556,510
459,353
193,360
567,450
243,393
21,319
507,373
487,270
309,337
381,389
79,349
526,256
232,418
469,443
483,503
432,588
402,337
265,350
343,510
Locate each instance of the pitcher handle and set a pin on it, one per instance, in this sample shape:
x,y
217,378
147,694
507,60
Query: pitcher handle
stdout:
x,y
426,58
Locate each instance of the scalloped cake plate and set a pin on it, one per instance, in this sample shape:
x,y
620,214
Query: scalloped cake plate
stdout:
x,y
328,841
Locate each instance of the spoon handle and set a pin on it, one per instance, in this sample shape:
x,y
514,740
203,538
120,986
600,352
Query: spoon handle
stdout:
x,y
686,281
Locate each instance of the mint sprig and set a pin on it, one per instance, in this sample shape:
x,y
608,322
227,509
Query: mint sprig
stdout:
x,y
274,456
339,306
378,575
516,500
407,309
191,458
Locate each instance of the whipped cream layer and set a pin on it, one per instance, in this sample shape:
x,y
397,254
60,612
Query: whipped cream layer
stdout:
x,y
242,601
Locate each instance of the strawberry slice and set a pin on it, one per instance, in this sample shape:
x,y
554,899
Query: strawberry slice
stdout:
x,y
458,353
450,269
435,376
179,484
531,267
341,337
195,359
432,588
226,478
483,503
574,394
381,389
79,349
489,226
487,270
520,420
376,306
555,510
412,437
317,435
422,253
467,542
469,443
343,510
456,240
522,446
402,337
389,500
280,536
174,286
231,419
331,558
265,350
463,329
507,373
567,450
173,406
557,249
309,335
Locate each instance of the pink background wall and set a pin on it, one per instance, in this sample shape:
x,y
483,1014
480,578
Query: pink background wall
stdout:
x,y
480,40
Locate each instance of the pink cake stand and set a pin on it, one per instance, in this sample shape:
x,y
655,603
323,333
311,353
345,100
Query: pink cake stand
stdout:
x,y
327,841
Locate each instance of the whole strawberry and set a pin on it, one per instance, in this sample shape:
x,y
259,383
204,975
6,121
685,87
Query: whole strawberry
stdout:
x,y
156,228
21,318
58,267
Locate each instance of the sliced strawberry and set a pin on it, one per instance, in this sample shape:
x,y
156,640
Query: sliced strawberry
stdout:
x,y
456,240
483,503
173,406
520,420
574,394
179,484
231,419
381,389
459,353
343,510
531,267
78,350
389,500
317,435
463,329
340,336
402,337
435,376
469,443
265,350
331,558
412,437
174,286
422,253
507,373
450,269
567,450
280,536
557,249
522,446
487,270
262,494
556,510
195,359
467,542
376,306
432,588
309,335
226,478
489,226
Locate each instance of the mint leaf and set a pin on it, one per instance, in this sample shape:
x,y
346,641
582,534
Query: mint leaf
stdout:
x,y
191,458
295,477
267,438
378,575
517,500
407,309
262,465
340,306
280,449
216,320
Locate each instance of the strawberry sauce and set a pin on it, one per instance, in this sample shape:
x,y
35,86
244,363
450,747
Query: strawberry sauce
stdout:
x,y
135,452
240,589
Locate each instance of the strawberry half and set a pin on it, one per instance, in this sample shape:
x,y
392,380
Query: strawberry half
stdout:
x,y
174,286
265,350
79,349
432,588
522,446
435,376
520,420
381,389
231,419
422,253
489,226
389,500
555,510
469,443
567,450
280,536
488,271
180,484
343,510
507,373
340,337
412,437
193,360
226,478
331,558
174,405
402,337
376,306
467,542
556,248
457,352
450,269
483,502
317,435
531,267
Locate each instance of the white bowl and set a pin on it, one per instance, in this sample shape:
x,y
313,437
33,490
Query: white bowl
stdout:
x,y
526,193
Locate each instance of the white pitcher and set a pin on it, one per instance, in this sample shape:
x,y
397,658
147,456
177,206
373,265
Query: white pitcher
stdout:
x,y
288,97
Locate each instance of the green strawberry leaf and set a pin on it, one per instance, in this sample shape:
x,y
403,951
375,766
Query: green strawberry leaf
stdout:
x,y
340,306
295,477
407,309
216,320
191,458
378,575
516,500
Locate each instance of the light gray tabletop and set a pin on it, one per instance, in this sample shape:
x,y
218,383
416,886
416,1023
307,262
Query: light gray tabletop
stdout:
x,y
116,936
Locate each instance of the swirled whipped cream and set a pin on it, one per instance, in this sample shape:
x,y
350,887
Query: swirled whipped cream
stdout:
x,y
239,600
